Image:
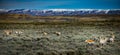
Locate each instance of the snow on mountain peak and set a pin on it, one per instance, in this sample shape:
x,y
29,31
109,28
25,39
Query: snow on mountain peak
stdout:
x,y
61,11
3,10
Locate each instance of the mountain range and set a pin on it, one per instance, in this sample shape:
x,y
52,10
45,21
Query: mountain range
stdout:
x,y
55,12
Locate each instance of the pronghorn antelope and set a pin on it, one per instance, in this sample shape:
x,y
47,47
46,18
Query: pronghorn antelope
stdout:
x,y
58,33
8,32
103,40
90,41
45,33
18,32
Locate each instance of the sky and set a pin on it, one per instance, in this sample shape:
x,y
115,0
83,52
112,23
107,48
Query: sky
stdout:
x,y
59,4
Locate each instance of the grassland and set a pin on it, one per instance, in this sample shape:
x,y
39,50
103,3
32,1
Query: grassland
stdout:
x,y
23,18
71,41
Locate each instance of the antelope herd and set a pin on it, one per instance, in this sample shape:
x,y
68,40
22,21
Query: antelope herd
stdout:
x,y
100,40
18,32
9,32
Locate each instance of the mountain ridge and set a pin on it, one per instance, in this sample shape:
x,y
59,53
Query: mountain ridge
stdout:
x,y
55,12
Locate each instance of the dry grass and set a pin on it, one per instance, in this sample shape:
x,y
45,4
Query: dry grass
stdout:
x,y
71,41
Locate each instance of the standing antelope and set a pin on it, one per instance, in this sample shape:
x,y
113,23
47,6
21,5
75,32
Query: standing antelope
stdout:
x,y
103,40
18,32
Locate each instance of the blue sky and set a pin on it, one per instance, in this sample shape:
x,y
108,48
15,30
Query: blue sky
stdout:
x,y
59,4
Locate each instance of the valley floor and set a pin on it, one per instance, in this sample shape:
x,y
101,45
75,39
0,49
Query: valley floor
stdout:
x,y
42,39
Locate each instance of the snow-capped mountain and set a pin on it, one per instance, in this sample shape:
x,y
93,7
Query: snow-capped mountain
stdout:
x,y
50,12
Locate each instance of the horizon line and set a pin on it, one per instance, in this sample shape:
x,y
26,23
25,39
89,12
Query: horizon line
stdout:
x,y
61,9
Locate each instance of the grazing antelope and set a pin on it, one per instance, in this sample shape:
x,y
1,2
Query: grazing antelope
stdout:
x,y
90,41
58,33
103,41
8,32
